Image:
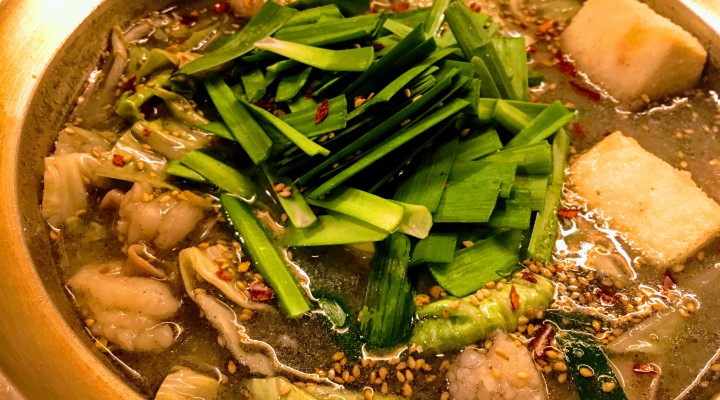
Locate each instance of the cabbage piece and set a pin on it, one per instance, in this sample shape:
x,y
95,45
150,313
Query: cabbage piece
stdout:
x,y
74,139
143,166
180,108
165,142
66,179
467,323
157,60
194,261
186,384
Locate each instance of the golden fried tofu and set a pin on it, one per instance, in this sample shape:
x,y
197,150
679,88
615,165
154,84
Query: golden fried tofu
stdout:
x,y
659,209
632,51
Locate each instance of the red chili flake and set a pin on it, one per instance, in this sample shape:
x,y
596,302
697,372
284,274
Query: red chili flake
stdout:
x,y
578,130
401,7
118,160
531,49
188,19
378,46
529,277
221,7
668,280
606,297
567,213
322,111
309,92
475,7
541,340
260,292
564,65
646,369
220,273
522,26
130,84
514,298
589,93
180,41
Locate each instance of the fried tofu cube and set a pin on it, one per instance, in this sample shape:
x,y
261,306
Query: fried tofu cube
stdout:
x,y
632,51
659,209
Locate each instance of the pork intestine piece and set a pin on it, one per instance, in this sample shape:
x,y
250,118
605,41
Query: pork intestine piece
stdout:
x,y
165,220
128,311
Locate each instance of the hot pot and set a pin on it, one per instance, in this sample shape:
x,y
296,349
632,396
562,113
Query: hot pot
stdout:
x,y
48,49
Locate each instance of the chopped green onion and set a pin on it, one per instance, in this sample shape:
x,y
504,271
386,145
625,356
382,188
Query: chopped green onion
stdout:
x,y
331,31
511,51
483,262
434,19
479,145
543,126
224,176
175,168
313,15
510,117
333,230
437,248
290,85
218,128
308,146
425,184
531,159
363,206
545,230
388,312
253,81
513,212
304,120
247,132
356,59
392,143
536,185
416,220
269,19
295,206
265,257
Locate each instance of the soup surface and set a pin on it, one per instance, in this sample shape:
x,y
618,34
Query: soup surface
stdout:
x,y
170,278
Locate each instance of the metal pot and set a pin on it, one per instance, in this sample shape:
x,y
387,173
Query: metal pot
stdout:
x,y
48,48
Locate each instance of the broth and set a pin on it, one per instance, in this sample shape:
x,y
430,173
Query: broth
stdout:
x,y
681,131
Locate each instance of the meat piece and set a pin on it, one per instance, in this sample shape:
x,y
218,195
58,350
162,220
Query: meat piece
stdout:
x,y
643,53
163,219
663,213
505,372
128,311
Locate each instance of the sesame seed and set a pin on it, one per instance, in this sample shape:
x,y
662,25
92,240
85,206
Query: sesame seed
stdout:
x,y
586,372
608,386
408,93
522,375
